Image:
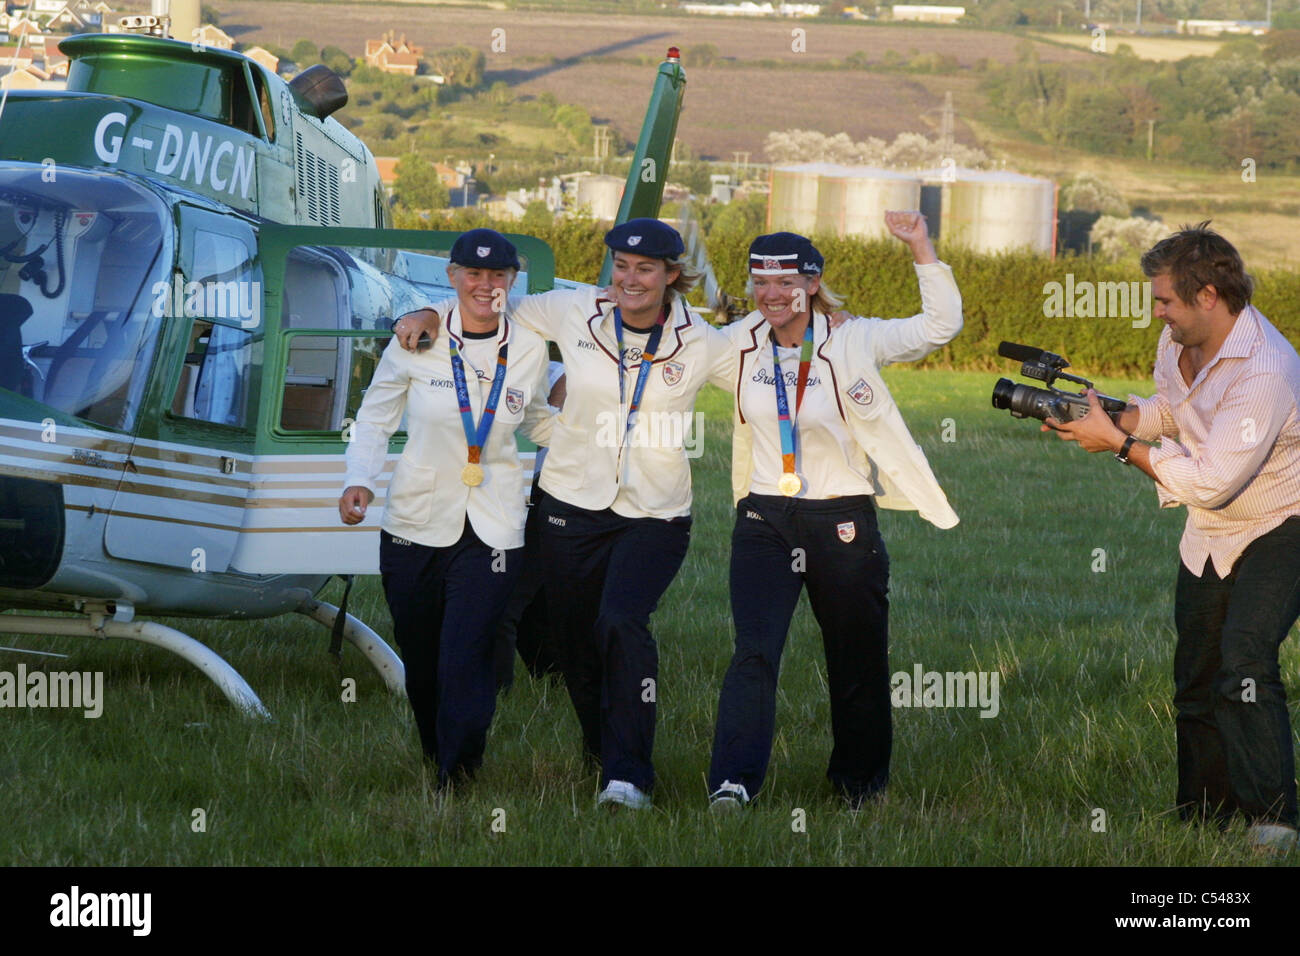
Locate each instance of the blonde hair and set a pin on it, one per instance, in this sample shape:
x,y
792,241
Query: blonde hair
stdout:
x,y
687,276
826,300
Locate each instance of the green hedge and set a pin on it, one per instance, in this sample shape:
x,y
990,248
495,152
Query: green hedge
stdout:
x,y
1002,295
1003,299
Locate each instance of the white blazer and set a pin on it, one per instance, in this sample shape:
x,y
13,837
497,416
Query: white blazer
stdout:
x,y
589,464
427,501
849,359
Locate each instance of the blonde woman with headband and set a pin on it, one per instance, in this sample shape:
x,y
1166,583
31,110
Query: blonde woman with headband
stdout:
x,y
818,444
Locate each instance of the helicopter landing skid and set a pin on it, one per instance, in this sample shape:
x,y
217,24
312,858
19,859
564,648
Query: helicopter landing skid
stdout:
x,y
204,658
370,644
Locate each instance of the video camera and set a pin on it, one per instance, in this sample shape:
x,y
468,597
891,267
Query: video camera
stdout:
x,y
1025,401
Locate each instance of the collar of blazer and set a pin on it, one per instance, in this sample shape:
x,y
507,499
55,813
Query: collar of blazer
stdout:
x,y
604,318
454,329
756,336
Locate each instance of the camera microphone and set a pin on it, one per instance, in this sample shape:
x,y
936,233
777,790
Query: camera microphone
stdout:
x,y
1029,354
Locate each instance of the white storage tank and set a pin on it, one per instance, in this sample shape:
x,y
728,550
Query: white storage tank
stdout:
x,y
852,200
601,193
996,210
792,205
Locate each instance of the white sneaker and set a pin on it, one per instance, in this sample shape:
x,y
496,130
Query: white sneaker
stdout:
x,y
622,793
1271,838
730,796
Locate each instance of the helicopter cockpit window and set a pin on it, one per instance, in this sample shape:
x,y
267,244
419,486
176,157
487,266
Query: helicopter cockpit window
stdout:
x,y
83,261
222,294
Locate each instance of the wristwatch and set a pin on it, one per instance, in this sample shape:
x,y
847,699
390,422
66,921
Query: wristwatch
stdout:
x,y
1121,456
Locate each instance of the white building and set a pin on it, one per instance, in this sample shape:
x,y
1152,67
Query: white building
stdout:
x,y
1214,28
927,14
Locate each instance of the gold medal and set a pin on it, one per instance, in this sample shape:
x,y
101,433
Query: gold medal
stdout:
x,y
472,474
789,484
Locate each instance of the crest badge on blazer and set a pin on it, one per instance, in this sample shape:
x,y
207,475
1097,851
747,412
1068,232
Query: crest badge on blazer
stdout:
x,y
860,392
514,400
673,372
847,531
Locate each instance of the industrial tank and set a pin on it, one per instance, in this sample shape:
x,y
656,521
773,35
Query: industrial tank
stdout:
x,y
792,206
852,200
601,193
996,211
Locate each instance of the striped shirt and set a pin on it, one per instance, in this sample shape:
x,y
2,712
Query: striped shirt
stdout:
x,y
1235,462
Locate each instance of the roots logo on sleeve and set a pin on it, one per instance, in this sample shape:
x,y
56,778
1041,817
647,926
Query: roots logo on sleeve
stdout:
x,y
673,372
514,400
860,392
847,531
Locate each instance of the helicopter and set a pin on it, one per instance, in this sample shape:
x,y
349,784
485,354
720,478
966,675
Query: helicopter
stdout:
x,y
198,275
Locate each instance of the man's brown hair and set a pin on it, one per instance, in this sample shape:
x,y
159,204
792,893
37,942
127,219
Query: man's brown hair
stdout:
x,y
1197,256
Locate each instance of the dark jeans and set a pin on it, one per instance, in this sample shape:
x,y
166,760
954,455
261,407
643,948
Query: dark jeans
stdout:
x,y
1234,734
446,603
605,575
778,546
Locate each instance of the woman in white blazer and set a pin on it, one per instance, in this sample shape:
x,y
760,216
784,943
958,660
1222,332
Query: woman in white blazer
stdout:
x,y
818,445
452,533
617,479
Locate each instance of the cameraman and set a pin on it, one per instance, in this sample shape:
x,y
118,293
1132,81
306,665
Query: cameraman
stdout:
x,y
1227,386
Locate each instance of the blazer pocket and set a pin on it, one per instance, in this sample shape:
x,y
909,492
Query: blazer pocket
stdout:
x,y
566,462
410,495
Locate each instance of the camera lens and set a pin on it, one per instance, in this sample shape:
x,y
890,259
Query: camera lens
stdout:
x,y
1002,393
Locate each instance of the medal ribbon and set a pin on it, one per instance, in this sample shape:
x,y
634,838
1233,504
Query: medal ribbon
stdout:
x,y
783,403
647,357
476,438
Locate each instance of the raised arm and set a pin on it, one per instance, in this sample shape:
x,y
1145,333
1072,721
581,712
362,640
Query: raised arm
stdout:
x,y
940,318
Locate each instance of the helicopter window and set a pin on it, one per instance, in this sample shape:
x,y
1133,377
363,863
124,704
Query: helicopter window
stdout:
x,y
316,296
355,289
214,379
81,347
264,104
223,296
243,106
324,407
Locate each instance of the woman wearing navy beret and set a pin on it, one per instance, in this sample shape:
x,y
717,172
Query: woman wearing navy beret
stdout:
x,y
818,445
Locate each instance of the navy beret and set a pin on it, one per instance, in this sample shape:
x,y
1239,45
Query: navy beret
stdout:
x,y
784,253
484,249
646,237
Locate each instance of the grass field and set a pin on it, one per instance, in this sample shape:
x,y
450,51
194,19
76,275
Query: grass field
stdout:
x,y
1147,48
1084,720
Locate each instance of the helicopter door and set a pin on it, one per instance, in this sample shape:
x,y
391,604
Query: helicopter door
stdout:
x,y
182,504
